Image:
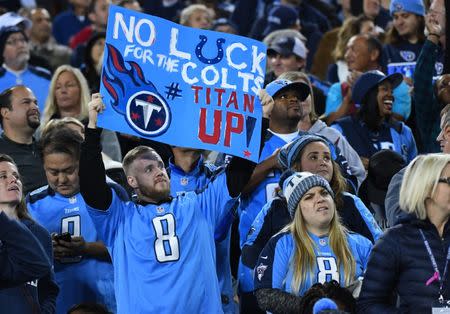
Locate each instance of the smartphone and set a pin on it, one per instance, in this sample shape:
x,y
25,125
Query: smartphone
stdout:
x,y
66,236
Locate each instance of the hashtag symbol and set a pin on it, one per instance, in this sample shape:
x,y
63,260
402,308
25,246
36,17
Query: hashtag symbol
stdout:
x,y
173,91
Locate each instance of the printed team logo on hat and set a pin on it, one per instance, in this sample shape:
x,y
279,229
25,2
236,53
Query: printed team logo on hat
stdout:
x,y
407,55
439,67
398,7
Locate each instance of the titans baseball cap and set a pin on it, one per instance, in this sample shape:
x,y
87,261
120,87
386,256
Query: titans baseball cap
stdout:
x,y
13,19
280,85
371,79
287,46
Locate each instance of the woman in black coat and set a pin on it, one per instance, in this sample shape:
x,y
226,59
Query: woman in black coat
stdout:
x,y
400,269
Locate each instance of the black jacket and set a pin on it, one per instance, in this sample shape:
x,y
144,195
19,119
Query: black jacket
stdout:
x,y
399,265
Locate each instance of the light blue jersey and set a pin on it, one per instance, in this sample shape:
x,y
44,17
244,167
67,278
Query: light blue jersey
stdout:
x,y
79,279
163,254
196,180
263,193
274,267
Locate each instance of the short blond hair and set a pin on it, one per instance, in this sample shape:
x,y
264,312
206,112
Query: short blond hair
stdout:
x,y
189,10
420,182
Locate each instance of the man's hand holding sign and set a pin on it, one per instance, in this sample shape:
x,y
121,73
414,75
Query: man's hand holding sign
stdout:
x,y
200,92
182,86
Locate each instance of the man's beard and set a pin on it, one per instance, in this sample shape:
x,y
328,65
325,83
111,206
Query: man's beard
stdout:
x,y
34,124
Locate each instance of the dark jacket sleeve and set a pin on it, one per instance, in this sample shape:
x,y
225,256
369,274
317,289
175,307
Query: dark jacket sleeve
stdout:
x,y
93,187
240,170
22,258
426,106
381,276
47,286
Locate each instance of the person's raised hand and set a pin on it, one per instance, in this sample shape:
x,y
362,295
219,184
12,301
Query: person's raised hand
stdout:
x,y
267,102
95,106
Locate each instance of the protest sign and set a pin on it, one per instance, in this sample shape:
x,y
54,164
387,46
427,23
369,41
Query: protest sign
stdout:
x,y
182,86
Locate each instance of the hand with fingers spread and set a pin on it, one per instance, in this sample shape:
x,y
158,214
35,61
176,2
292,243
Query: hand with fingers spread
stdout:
x,y
95,106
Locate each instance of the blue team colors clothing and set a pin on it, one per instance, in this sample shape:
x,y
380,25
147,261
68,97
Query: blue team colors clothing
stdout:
x,y
196,180
37,295
79,279
35,78
355,216
274,269
251,205
152,248
395,136
401,105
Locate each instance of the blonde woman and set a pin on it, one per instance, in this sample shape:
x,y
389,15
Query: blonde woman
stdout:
x,y
197,16
401,264
69,97
313,248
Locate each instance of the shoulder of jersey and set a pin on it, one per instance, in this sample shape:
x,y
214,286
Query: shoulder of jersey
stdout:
x,y
39,194
41,72
120,191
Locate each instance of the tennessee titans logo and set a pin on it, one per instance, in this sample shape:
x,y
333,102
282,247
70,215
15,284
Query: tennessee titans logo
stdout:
x,y
148,114
407,55
439,67
133,96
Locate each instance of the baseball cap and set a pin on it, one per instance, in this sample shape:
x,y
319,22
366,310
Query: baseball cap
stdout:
x,y
411,6
275,87
371,79
280,17
13,19
287,46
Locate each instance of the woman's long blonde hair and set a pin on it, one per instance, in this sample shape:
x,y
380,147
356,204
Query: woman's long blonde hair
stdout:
x,y
51,107
304,257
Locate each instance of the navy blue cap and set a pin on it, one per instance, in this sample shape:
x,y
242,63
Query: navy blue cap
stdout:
x,y
371,79
279,85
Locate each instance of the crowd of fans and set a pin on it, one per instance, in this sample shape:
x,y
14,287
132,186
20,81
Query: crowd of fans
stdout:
x,y
346,212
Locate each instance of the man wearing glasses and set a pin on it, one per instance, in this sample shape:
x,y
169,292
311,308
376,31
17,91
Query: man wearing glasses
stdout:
x,y
15,70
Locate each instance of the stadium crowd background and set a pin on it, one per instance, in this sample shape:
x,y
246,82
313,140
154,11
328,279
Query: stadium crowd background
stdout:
x,y
353,180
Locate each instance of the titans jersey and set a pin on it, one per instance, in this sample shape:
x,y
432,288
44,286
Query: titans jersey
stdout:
x,y
196,180
79,279
264,192
274,269
163,254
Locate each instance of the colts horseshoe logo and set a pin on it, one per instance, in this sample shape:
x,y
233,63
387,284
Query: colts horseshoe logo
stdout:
x,y
199,48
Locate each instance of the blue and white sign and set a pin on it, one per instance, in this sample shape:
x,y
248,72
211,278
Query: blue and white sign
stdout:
x,y
182,86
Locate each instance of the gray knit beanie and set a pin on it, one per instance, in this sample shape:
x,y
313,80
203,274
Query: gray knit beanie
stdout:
x,y
289,153
296,184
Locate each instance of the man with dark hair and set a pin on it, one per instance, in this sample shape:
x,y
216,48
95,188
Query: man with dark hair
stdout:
x,y
82,264
15,69
20,118
98,15
42,42
363,54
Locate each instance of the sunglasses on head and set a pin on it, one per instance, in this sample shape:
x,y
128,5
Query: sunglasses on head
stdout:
x,y
444,180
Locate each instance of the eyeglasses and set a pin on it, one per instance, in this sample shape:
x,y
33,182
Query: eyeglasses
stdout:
x,y
444,180
16,41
